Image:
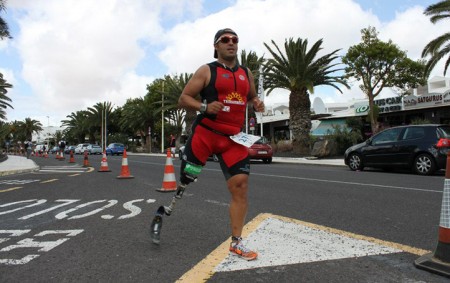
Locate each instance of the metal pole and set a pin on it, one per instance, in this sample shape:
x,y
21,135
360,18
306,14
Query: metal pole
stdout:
x,y
102,130
162,120
106,128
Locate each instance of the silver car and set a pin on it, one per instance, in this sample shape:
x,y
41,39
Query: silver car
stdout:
x,y
94,149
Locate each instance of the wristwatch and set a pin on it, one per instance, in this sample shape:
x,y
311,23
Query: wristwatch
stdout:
x,y
203,107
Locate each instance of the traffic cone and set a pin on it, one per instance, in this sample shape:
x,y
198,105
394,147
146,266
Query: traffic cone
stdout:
x,y
169,181
439,261
57,155
125,172
72,159
86,160
61,156
45,154
104,164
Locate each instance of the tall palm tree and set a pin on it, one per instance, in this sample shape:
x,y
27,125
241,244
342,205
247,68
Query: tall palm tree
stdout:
x,y
299,70
439,47
3,98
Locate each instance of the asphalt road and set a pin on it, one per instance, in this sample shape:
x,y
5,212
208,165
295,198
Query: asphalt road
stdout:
x,y
309,223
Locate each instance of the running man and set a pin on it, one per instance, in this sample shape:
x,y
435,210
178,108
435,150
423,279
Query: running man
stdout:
x,y
225,88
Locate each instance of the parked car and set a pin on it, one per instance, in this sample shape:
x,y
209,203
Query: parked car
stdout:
x,y
94,149
54,149
262,150
422,148
69,148
115,148
81,148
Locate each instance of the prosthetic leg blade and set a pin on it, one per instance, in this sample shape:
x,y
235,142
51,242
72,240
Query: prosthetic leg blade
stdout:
x,y
155,227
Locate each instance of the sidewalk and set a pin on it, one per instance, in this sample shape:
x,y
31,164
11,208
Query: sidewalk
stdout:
x,y
20,164
17,164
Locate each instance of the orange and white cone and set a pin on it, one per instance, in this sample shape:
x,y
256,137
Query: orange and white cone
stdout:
x,y
45,154
86,160
169,181
72,159
125,172
57,155
439,261
104,164
61,156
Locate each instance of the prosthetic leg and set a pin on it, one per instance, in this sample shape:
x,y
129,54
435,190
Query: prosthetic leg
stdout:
x,y
189,173
155,227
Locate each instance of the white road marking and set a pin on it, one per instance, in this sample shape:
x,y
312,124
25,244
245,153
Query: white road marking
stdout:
x,y
132,208
66,202
282,243
38,202
281,240
42,246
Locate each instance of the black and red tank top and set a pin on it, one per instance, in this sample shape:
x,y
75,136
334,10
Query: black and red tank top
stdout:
x,y
231,87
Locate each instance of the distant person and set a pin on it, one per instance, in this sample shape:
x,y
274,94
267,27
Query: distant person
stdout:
x,y
28,148
62,145
172,144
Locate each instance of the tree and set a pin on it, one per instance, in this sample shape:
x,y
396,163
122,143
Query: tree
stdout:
x,y
440,46
173,86
299,70
253,63
3,97
378,65
4,29
30,126
77,125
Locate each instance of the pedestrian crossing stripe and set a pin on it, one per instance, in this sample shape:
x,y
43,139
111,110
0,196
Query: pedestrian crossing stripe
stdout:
x,y
280,241
63,169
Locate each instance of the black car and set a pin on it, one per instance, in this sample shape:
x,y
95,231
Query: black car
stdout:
x,y
422,148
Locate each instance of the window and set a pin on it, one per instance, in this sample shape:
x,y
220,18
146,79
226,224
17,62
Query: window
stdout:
x,y
387,136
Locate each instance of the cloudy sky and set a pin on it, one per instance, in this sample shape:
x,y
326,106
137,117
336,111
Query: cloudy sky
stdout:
x,y
67,55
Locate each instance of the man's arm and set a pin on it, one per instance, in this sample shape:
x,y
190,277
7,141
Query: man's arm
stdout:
x,y
195,85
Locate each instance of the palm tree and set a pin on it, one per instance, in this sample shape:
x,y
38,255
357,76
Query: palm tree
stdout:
x,y
95,119
4,30
77,125
173,86
30,126
299,71
138,115
440,46
253,63
3,98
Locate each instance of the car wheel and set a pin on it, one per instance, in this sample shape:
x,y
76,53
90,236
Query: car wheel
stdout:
x,y
424,164
355,162
267,160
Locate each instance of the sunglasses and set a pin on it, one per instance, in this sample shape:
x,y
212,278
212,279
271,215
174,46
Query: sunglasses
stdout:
x,y
227,38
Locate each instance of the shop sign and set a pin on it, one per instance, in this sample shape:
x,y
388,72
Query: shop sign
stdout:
x,y
423,101
385,105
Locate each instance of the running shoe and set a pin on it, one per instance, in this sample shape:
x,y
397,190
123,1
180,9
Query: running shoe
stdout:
x,y
238,249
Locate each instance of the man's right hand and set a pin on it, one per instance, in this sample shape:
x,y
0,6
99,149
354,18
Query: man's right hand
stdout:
x,y
214,107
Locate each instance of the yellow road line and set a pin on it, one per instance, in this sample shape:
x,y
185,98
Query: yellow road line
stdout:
x,y
73,175
205,268
10,189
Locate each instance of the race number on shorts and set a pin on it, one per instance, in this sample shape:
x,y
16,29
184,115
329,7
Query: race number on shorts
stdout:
x,y
245,139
